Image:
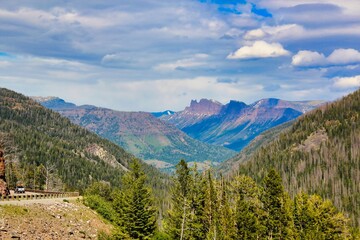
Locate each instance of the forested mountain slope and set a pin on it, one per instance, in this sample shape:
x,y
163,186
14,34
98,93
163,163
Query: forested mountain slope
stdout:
x,y
44,149
320,154
231,166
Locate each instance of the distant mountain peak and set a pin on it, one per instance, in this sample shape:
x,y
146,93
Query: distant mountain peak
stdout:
x,y
204,106
164,113
233,107
266,102
54,102
44,99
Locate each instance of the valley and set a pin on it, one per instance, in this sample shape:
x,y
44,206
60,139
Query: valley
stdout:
x,y
158,143
210,132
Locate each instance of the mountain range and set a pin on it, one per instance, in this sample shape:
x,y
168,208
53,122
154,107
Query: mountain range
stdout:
x,y
147,137
206,132
235,124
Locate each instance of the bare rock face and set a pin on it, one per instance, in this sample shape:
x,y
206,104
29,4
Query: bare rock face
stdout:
x,y
3,186
204,106
2,165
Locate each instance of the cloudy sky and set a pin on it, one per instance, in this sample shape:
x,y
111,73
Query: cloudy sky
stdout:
x,y
152,55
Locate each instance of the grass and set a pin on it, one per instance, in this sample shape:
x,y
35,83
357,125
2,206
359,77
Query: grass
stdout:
x,y
11,210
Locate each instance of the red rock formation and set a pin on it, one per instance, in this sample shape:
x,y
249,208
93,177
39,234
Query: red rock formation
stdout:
x,y
3,186
204,106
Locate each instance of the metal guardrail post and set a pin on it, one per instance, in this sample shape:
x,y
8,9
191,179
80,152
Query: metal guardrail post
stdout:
x,y
38,194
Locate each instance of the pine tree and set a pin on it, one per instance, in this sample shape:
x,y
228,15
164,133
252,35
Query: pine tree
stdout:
x,y
179,214
138,210
227,229
249,213
211,208
316,218
118,204
277,204
197,206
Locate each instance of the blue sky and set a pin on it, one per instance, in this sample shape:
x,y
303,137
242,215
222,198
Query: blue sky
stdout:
x,y
151,55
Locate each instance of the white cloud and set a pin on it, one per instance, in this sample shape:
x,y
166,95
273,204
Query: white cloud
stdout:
x,y
58,16
194,61
234,33
278,32
347,82
349,6
255,34
339,57
344,56
296,32
308,58
111,58
259,49
4,64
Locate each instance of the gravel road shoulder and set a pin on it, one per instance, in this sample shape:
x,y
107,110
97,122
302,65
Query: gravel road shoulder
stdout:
x,y
50,219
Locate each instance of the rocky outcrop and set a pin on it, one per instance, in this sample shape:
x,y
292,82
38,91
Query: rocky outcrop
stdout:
x,y
52,220
204,106
4,190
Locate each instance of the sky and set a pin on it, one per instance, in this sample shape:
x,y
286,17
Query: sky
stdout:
x,y
153,55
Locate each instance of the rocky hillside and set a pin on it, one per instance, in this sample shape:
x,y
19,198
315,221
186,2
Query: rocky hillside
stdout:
x,y
55,220
142,134
319,153
235,124
44,149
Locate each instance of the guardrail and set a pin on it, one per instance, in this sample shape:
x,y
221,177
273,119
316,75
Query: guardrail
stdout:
x,y
39,195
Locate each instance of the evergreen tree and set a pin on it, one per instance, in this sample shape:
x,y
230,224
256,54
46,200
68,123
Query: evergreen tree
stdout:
x,y
179,214
277,204
318,219
249,213
197,206
138,211
118,204
227,230
211,208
